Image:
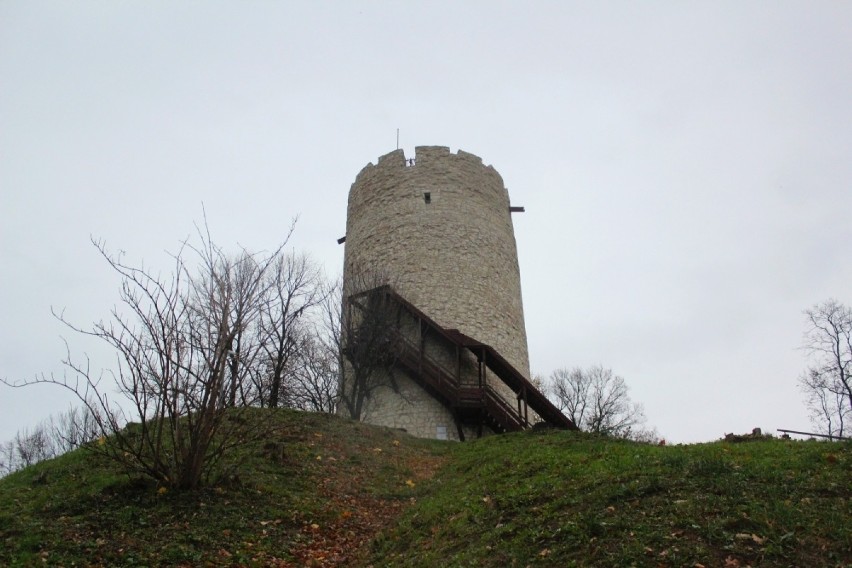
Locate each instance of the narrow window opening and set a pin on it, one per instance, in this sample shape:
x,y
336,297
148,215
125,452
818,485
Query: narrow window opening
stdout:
x,y
427,197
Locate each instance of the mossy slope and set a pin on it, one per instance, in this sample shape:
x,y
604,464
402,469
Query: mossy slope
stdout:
x,y
323,491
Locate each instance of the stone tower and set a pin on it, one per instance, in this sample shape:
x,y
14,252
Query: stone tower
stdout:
x,y
439,226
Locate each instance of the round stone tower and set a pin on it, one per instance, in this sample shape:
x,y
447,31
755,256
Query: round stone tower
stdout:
x,y
439,226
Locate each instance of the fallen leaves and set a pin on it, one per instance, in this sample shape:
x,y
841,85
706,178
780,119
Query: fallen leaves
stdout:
x,y
354,518
752,537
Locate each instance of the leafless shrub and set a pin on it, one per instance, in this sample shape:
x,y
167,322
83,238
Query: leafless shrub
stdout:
x,y
186,346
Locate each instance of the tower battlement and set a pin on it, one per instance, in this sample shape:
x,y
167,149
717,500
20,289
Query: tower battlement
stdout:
x,y
433,170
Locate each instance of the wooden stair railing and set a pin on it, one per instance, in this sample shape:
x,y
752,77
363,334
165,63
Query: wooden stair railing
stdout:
x,y
485,399
468,401
507,417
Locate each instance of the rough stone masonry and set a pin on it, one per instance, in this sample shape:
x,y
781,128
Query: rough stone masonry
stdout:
x,y
440,225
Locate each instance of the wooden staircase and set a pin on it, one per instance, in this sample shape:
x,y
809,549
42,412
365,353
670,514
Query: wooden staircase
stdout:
x,y
470,404
472,401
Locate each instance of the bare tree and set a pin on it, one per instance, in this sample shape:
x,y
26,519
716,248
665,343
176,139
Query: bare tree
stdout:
x,y
827,382
71,429
243,282
363,328
295,289
597,401
8,461
181,348
50,438
33,445
311,378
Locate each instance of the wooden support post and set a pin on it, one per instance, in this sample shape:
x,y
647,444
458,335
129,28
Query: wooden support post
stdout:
x,y
421,344
459,426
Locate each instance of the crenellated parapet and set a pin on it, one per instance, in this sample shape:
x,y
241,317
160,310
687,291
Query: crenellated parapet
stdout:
x,y
433,170
426,157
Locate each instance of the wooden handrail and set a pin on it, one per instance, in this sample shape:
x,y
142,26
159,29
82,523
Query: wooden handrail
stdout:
x,y
442,381
486,398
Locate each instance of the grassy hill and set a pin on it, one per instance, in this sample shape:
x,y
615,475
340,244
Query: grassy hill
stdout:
x,y
322,491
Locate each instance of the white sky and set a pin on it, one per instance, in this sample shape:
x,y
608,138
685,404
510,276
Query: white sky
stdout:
x,y
685,168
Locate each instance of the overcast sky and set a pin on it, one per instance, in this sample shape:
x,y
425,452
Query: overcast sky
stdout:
x,y
686,168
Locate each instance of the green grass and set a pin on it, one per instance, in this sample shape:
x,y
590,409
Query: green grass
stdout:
x,y
310,477
323,491
568,499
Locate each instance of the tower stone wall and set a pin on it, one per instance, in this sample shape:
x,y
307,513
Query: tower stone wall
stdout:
x,y
439,226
